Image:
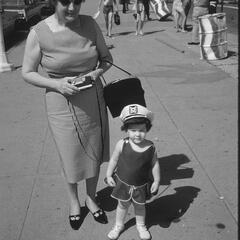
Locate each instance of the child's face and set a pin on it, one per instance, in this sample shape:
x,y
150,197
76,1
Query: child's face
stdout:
x,y
137,132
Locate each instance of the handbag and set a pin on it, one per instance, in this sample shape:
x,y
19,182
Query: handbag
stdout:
x,y
122,92
116,18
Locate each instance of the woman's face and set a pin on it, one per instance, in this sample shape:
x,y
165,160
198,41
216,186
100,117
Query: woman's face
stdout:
x,y
68,10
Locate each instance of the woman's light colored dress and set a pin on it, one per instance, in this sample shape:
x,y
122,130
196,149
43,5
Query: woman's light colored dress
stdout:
x,y
79,123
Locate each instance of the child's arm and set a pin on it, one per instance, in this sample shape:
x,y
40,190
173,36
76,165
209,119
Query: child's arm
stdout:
x,y
113,163
156,174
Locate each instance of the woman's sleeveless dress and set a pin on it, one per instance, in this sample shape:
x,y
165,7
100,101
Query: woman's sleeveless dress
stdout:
x,y
79,123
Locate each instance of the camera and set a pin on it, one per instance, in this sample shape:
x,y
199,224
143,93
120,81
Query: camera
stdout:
x,y
83,82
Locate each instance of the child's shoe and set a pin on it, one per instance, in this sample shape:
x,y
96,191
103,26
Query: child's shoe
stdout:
x,y
144,234
115,232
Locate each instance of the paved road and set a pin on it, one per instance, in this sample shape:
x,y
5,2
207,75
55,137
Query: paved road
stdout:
x,y
195,132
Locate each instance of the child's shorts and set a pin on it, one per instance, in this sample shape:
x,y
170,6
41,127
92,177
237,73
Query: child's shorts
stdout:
x,y
124,192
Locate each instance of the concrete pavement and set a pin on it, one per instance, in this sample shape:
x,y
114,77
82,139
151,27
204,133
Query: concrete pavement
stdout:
x,y
195,132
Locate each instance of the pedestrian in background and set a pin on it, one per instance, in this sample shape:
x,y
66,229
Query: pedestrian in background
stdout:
x,y
109,7
200,8
186,7
213,6
146,7
140,16
133,160
179,15
67,45
125,5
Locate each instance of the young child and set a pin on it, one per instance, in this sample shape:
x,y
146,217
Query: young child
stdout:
x,y
139,16
133,160
109,6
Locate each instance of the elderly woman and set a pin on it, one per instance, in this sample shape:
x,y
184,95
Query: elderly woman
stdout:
x,y
67,45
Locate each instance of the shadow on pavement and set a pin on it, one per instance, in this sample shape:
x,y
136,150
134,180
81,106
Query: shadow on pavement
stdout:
x,y
169,167
170,208
152,32
123,33
106,201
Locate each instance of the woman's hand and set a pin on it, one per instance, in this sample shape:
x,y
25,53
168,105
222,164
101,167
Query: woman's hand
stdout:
x,y
95,74
110,181
66,87
154,187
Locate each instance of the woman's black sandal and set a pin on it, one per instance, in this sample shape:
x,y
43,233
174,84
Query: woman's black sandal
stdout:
x,y
75,221
99,216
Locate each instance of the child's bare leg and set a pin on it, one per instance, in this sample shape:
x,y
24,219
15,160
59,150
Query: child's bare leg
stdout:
x,y
121,213
140,213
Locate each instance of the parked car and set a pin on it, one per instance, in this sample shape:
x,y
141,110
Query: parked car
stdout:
x,y
9,20
29,11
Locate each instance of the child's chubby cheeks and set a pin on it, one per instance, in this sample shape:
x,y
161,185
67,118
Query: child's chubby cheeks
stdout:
x,y
137,132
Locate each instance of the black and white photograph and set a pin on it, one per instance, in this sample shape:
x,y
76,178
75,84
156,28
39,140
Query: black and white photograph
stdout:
x,y
119,119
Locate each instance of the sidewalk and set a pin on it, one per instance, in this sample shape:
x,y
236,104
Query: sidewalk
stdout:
x,y
195,132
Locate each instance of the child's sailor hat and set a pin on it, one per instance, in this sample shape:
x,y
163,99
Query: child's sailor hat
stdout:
x,y
135,111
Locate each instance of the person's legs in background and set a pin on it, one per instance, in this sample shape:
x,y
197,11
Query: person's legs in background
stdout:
x,y
110,20
181,21
197,12
141,23
147,10
186,8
